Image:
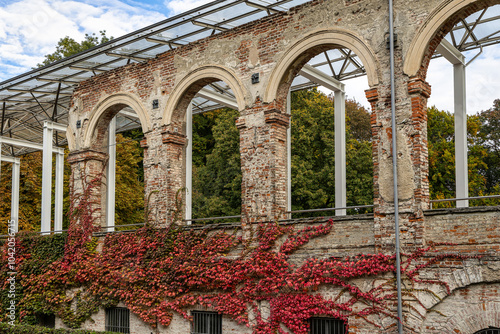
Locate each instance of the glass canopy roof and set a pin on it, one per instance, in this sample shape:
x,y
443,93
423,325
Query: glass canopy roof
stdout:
x,y
45,93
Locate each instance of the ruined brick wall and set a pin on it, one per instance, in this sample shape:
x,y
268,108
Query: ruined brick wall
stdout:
x,y
276,47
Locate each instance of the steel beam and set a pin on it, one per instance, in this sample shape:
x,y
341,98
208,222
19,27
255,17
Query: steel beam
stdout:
x,y
321,78
58,196
111,177
218,98
14,202
455,57
189,163
340,159
461,164
326,81
452,54
48,134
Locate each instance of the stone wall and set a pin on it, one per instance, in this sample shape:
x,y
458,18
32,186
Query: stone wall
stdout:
x,y
276,47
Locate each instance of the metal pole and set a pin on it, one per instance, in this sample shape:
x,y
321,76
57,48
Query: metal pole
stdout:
x,y
395,168
59,185
111,176
3,119
340,160
189,163
461,170
289,154
14,206
47,177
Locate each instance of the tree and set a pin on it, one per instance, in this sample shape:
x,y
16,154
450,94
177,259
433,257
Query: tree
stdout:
x,y
129,189
216,164
67,46
489,137
313,152
441,148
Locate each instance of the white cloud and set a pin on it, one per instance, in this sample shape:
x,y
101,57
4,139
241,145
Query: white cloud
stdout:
x,y
482,77
30,29
180,6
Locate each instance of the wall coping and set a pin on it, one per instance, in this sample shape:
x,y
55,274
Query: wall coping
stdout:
x,y
447,211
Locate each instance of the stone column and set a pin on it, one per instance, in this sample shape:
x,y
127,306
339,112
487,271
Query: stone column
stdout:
x,y
263,150
87,171
413,171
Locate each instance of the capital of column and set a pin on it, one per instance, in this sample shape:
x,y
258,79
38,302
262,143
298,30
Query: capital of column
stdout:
x,y
372,95
274,116
174,138
418,86
144,143
87,155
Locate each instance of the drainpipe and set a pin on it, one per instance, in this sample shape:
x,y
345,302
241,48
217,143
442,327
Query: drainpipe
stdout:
x,y
395,168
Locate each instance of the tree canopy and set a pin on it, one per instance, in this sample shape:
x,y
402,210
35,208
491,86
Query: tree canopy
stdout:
x,y
67,46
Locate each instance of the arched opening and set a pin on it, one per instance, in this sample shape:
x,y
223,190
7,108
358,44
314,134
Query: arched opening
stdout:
x,y
116,129
205,113
330,154
462,122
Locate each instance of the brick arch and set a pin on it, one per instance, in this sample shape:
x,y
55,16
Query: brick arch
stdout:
x,y
433,30
106,109
309,46
187,88
467,310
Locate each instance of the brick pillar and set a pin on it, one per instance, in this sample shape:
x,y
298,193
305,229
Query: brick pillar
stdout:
x,y
263,164
88,170
172,184
413,183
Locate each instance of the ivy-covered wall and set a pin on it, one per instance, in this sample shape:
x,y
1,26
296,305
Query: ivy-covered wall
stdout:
x,y
159,273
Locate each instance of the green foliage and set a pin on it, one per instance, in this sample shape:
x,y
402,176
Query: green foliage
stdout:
x,y
129,187
34,254
67,46
216,164
29,329
441,145
489,137
313,152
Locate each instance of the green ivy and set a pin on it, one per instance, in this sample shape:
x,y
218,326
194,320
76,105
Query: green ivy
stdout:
x,y
28,329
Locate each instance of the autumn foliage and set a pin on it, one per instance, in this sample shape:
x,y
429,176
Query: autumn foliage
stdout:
x,y
159,272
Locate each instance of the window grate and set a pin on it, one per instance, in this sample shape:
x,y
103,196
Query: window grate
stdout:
x,y
206,323
490,330
118,320
46,320
327,326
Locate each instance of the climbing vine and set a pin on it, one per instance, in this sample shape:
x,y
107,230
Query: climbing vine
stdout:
x,y
157,272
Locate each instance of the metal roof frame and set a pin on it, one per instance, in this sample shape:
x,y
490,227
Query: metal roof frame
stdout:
x,y
44,93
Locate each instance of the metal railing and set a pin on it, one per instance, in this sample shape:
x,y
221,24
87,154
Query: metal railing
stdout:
x,y
101,227
332,209
210,218
462,199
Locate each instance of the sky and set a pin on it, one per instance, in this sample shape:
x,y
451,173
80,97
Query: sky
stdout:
x,y
30,29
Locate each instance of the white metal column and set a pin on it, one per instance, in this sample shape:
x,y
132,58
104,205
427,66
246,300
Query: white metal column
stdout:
x,y
189,163
461,165
59,190
289,154
47,177
454,56
111,177
340,160
14,202
14,206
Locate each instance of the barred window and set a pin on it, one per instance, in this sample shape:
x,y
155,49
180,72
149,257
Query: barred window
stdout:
x,y
206,323
327,326
118,320
46,320
491,330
